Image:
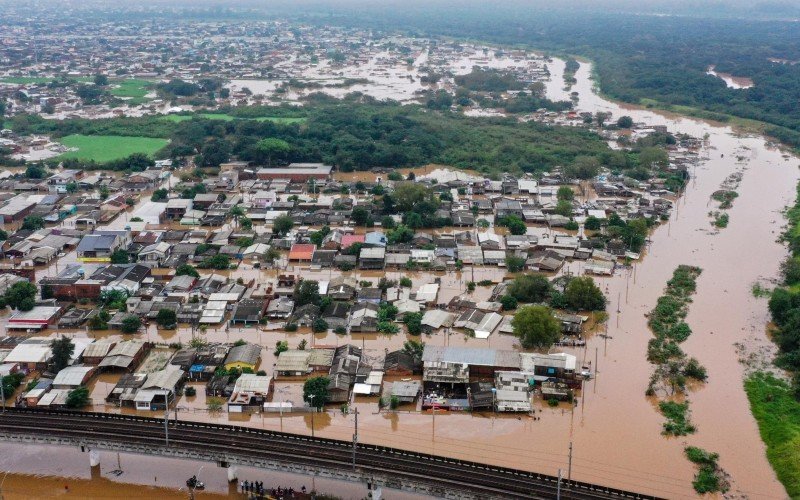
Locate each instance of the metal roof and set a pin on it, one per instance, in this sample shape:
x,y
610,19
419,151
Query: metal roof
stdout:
x,y
72,376
471,356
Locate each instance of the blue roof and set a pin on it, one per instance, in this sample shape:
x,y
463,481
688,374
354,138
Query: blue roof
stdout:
x,y
375,238
197,368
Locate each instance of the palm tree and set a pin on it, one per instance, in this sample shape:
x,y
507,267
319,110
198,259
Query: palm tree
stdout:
x,y
236,212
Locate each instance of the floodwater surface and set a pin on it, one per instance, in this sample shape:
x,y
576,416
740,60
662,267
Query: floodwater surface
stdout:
x,y
614,429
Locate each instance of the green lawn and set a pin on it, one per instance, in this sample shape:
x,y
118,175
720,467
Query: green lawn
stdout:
x,y
225,117
104,148
132,89
778,415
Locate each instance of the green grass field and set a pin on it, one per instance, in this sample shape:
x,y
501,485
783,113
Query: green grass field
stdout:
x,y
133,90
778,415
221,116
104,148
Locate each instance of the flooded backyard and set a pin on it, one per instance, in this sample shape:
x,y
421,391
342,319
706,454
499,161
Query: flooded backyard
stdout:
x,y
614,429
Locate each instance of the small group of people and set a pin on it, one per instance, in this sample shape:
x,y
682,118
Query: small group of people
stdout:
x,y
256,488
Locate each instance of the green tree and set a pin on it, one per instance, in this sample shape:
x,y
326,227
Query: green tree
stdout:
x,y
408,195
187,270
35,171
509,302
318,388
282,225
387,222
131,324
272,148
414,348
536,327
653,158
236,211
246,223
281,346
32,223
593,223
120,256
515,264
564,208
21,296
77,398
306,292
584,168
514,224
530,288
71,187
360,216
319,325
99,321
625,122
159,195
100,80
582,294
413,323
166,318
565,193
62,349
219,261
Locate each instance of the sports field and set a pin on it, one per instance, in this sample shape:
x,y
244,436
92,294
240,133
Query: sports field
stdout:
x,y
104,148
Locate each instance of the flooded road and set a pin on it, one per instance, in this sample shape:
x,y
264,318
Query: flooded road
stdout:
x,y
615,430
60,472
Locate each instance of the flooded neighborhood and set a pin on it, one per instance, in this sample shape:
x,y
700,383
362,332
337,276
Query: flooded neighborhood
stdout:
x,y
377,306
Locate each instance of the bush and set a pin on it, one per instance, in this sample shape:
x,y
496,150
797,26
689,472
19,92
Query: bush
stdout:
x,y
291,327
340,330
77,398
413,323
319,325
509,303
190,392
131,324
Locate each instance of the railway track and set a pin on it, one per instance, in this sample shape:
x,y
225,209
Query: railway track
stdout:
x,y
246,442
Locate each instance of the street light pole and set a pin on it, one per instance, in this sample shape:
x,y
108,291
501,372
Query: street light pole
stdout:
x,y
355,441
311,398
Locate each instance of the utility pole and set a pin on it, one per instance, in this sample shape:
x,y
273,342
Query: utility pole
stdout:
x,y
3,393
569,470
166,425
355,441
558,487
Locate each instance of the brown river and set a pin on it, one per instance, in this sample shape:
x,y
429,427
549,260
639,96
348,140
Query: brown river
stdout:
x,y
614,429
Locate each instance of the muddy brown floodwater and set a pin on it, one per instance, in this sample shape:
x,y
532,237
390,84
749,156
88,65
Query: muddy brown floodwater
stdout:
x,y
615,430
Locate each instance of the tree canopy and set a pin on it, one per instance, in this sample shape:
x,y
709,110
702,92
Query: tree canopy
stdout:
x,y
21,295
582,294
318,388
536,327
62,349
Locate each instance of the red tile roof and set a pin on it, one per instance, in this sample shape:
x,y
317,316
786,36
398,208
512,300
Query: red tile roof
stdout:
x,y
302,251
